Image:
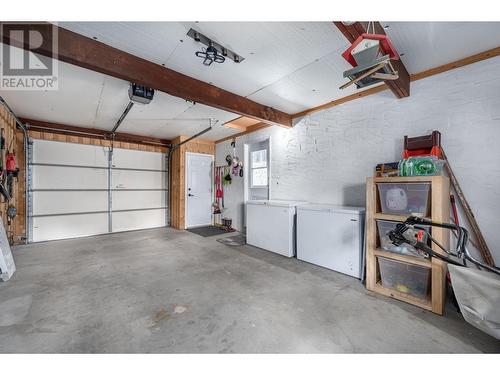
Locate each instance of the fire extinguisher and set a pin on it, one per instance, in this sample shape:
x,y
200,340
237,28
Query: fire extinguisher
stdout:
x,y
12,171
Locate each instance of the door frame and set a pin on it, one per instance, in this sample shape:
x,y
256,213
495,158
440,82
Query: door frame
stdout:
x,y
186,188
246,172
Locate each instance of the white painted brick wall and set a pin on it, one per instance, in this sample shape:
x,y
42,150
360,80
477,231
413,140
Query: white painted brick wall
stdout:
x,y
326,158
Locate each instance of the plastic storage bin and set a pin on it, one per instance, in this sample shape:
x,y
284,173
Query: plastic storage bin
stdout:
x,y
405,198
406,278
384,227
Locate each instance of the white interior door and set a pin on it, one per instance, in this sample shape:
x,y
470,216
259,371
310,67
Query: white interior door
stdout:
x,y
198,189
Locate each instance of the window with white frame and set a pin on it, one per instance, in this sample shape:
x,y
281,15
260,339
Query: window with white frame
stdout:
x,y
258,168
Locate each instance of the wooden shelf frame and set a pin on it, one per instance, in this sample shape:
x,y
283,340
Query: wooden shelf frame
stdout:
x,y
422,262
440,212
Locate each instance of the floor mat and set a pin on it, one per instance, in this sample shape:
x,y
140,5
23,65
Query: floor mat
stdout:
x,y
237,240
207,231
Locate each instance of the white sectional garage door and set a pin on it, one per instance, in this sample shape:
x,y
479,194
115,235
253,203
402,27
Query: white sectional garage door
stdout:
x,y
81,190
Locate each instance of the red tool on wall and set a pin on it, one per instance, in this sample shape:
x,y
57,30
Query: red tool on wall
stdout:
x,y
12,172
219,192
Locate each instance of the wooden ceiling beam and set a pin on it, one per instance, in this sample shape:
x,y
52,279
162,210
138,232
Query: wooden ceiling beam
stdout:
x,y
241,123
51,127
91,54
250,129
401,86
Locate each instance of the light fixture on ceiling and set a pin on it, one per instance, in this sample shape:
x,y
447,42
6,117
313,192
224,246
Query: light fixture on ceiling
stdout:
x,y
210,55
214,52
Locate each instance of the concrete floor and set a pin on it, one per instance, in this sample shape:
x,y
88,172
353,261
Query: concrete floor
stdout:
x,y
168,291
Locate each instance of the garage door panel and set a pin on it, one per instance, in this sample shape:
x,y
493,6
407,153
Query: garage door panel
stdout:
x,y
138,159
70,181
51,152
69,226
126,179
56,202
49,177
125,200
132,220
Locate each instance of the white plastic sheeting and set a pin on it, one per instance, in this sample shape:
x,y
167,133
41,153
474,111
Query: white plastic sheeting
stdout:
x,y
478,295
7,265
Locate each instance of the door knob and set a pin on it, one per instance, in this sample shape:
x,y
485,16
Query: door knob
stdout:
x,y
190,195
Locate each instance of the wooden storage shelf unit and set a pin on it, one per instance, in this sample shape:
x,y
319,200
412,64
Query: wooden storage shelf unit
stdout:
x,y
440,212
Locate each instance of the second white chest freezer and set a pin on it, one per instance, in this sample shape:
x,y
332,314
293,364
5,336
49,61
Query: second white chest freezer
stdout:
x,y
332,237
271,225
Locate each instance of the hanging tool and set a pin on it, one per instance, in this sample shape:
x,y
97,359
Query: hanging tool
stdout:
x,y
3,190
8,169
11,214
219,193
2,149
454,209
227,176
12,172
483,246
221,175
24,129
235,163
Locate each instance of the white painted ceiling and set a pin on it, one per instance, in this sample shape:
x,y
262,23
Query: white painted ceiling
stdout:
x,y
94,100
426,45
291,66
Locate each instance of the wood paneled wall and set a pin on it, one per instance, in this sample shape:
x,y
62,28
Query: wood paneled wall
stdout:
x,y
178,176
14,143
95,141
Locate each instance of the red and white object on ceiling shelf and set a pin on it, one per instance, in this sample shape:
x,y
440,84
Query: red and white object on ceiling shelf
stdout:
x,y
371,56
384,43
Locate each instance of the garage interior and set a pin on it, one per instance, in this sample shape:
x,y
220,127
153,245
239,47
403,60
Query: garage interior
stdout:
x,y
250,187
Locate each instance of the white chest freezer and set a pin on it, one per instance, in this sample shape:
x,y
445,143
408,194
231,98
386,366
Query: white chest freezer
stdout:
x,y
271,225
332,237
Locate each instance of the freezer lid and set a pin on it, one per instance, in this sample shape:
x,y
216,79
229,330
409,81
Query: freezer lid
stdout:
x,y
332,208
277,203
